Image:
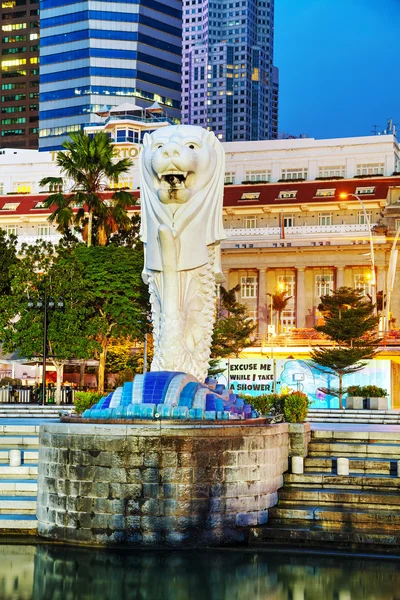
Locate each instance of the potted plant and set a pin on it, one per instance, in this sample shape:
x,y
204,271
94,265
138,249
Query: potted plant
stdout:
x,y
369,397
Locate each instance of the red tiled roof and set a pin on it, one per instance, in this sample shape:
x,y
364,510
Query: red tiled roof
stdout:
x,y
306,191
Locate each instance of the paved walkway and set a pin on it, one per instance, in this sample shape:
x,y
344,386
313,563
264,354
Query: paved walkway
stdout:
x,y
353,427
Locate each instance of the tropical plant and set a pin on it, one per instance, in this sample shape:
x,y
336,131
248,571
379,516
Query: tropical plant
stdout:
x,y
349,322
8,257
366,391
233,327
279,303
87,165
85,400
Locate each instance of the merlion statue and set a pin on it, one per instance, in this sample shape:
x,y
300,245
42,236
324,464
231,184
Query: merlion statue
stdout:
x,y
181,190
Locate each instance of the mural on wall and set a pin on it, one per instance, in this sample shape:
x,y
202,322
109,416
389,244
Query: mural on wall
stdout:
x,y
257,376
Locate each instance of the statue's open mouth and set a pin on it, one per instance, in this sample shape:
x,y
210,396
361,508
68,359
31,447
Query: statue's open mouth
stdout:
x,y
173,179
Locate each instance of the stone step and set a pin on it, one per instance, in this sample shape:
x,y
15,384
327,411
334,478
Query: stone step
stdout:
x,y
28,456
19,487
367,499
21,523
24,471
356,481
357,465
365,437
18,441
18,504
335,516
306,534
360,450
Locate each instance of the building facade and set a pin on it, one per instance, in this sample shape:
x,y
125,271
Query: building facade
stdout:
x,y
288,227
105,53
19,73
229,84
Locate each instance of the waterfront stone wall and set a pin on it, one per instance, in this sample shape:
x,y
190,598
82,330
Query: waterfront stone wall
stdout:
x,y
156,484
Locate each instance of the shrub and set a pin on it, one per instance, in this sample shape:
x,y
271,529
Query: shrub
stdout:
x,y
263,404
9,381
366,391
296,407
84,400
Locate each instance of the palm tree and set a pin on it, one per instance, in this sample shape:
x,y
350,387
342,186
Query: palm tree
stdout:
x,y
279,303
88,166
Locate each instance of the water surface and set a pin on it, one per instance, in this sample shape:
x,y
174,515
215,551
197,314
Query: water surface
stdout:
x,y
58,573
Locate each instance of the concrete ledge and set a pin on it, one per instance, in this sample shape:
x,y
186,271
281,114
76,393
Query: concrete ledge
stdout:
x,y
157,485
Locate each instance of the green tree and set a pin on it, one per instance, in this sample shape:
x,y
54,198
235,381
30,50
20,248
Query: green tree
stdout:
x,y
117,297
350,323
233,327
38,273
279,303
87,166
8,257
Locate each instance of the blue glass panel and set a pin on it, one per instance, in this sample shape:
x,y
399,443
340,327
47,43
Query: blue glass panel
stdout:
x,y
108,72
158,6
187,394
210,415
155,386
210,402
180,412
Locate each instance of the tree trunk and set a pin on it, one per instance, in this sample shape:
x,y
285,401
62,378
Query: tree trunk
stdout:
x,y
278,326
82,367
340,390
60,372
90,228
102,368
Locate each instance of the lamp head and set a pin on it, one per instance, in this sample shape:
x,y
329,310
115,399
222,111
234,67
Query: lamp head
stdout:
x,y
343,195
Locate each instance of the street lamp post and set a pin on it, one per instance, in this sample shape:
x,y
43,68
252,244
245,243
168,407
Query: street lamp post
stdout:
x,y
390,279
45,304
371,245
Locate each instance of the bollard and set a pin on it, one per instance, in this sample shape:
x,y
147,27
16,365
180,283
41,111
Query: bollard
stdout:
x,y
342,466
297,465
15,458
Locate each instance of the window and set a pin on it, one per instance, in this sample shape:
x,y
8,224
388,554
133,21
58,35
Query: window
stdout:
x,y
286,283
300,173
397,224
370,169
248,287
323,285
257,175
43,230
250,222
339,171
230,177
361,217
10,206
121,184
363,191
1,188
288,194
288,221
11,229
362,281
249,196
22,188
39,205
321,193
325,219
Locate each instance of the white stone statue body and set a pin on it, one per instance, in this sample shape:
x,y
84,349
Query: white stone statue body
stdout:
x,y
181,191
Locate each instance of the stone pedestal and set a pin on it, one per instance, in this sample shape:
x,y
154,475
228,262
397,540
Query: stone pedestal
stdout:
x,y
299,438
156,484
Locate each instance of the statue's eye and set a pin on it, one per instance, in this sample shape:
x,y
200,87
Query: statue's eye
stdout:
x,y
191,146
159,146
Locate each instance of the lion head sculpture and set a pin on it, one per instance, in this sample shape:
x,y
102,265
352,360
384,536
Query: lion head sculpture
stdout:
x,y
182,182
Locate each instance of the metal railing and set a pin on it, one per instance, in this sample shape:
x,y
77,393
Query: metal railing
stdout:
x,y
30,395
297,230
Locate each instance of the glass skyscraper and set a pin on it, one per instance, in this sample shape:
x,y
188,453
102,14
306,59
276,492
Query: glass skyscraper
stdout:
x,y
229,83
96,53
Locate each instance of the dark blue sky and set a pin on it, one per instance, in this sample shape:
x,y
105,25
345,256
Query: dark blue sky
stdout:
x,y
339,65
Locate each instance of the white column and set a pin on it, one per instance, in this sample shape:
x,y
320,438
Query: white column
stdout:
x,y
339,277
262,301
300,298
381,279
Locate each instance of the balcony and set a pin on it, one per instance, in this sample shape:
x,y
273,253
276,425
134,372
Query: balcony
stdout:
x,y
32,239
300,235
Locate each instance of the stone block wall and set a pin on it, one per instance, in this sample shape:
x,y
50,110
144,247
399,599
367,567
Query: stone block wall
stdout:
x,y
156,484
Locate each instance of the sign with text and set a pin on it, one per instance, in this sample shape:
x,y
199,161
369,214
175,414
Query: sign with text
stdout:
x,y
249,376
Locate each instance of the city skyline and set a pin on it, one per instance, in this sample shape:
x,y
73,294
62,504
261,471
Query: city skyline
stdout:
x,y
323,55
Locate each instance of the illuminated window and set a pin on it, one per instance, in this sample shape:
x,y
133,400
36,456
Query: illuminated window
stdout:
x,y
364,191
323,193
287,194
13,27
249,196
22,188
362,281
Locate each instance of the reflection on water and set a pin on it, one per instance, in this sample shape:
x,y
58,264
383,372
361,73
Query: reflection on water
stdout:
x,y
59,573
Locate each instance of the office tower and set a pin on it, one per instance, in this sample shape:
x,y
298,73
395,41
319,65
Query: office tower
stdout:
x,y
105,53
227,68
19,74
